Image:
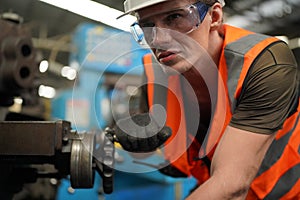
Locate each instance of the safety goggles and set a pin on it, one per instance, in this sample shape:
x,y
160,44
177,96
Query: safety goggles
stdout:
x,y
184,20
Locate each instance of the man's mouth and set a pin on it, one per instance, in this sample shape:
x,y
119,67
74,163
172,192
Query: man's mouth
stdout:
x,y
166,57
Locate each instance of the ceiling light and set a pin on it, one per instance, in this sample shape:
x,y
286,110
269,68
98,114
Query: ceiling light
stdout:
x,y
64,71
95,11
18,100
68,72
46,91
44,65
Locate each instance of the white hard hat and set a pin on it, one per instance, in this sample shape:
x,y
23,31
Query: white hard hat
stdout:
x,y
134,5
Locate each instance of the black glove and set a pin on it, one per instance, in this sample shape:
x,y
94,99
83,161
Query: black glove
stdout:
x,y
144,135
172,171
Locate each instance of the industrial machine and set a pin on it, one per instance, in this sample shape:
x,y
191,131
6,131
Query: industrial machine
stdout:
x,y
62,151
31,148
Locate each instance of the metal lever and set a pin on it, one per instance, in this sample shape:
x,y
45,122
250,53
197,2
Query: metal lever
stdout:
x,y
104,160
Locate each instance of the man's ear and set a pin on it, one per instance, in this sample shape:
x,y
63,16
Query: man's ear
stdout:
x,y
216,14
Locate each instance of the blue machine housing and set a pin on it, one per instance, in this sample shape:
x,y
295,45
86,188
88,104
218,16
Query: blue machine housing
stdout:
x,y
109,50
85,105
99,50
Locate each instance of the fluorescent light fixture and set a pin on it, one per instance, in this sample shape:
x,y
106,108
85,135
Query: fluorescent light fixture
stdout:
x,y
18,100
68,72
44,65
46,91
95,11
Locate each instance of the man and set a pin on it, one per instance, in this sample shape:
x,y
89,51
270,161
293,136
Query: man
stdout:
x,y
246,143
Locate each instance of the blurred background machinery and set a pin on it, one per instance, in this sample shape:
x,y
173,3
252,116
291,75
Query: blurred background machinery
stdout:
x,y
32,147
56,155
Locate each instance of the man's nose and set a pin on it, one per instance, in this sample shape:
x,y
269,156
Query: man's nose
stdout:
x,y
160,37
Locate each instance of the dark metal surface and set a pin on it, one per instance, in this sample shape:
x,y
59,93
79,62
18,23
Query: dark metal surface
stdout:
x,y
81,164
32,138
108,160
24,145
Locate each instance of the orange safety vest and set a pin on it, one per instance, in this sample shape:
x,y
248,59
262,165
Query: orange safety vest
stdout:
x,y
278,177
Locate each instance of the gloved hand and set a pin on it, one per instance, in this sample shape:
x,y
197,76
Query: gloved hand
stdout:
x,y
141,133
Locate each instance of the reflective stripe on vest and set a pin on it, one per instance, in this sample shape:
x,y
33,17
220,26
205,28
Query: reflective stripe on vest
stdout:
x,y
235,61
240,50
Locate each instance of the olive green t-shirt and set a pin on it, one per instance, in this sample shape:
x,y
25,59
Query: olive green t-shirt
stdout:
x,y
270,91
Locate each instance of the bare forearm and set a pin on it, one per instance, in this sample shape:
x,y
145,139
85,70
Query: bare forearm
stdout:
x,y
233,166
215,189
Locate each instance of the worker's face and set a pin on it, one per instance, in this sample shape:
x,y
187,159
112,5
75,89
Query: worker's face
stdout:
x,y
175,33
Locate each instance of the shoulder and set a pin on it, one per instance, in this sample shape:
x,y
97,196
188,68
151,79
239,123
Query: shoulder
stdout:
x,y
275,64
276,54
269,91
274,68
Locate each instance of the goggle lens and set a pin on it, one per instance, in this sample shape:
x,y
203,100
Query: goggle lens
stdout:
x,y
184,20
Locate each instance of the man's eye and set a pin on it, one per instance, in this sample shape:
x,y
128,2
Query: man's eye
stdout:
x,y
172,17
148,24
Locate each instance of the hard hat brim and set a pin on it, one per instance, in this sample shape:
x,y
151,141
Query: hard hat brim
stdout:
x,y
134,5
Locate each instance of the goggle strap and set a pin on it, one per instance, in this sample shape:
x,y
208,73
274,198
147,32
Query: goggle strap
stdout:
x,y
202,10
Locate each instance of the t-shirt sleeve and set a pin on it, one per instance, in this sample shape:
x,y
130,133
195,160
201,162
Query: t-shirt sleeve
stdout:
x,y
270,91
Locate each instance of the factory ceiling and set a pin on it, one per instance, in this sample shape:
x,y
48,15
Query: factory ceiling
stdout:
x,y
55,25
